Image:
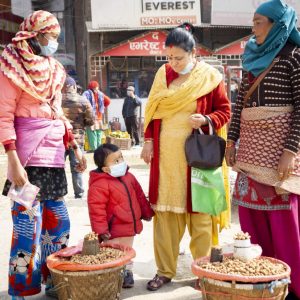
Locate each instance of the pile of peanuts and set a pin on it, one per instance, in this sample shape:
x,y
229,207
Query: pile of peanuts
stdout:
x,y
92,236
106,255
242,236
235,266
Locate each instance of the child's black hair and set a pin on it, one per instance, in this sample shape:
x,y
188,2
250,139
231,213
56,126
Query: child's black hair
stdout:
x,y
101,154
182,37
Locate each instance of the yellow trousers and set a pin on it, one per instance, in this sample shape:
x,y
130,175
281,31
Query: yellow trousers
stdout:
x,y
169,229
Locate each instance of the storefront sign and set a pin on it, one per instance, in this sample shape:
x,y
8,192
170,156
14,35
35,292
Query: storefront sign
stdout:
x,y
150,44
240,12
169,12
143,13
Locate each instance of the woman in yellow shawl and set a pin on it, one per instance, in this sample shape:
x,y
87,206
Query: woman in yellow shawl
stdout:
x,y
184,90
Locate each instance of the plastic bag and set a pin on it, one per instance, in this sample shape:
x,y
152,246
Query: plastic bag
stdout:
x,y
208,191
24,195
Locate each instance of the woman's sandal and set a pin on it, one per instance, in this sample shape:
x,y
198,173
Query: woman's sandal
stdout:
x,y
157,282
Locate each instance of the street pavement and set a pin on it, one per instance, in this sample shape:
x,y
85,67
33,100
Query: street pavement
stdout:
x,y
144,264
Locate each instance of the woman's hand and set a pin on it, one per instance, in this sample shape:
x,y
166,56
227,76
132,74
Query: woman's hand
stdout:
x,y
230,156
81,166
286,165
17,173
197,120
147,152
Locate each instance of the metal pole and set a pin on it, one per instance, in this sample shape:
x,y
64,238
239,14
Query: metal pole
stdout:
x,y
140,122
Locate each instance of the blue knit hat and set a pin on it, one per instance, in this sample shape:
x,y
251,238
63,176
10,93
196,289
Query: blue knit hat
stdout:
x,y
70,82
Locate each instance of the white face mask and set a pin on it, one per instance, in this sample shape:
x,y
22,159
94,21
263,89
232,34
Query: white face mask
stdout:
x,y
118,170
129,93
188,68
50,49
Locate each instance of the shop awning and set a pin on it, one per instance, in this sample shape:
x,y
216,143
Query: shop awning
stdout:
x,y
234,48
147,44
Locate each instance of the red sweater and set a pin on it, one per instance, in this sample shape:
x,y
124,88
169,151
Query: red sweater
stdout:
x,y
216,105
117,205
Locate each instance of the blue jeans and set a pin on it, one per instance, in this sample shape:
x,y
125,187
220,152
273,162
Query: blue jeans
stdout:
x,y
76,176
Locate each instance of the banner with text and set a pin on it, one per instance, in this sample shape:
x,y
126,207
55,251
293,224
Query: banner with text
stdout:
x,y
144,13
240,12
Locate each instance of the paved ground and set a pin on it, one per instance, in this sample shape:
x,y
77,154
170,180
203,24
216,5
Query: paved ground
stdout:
x,y
144,266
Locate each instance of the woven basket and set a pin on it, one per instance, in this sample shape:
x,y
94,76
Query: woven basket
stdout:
x,y
219,286
74,281
220,290
122,143
88,285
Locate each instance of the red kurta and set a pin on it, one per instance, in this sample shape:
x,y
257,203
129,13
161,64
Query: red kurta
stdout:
x,y
216,105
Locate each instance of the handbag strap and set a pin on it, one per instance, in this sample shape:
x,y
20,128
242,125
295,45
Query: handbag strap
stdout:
x,y
258,81
211,126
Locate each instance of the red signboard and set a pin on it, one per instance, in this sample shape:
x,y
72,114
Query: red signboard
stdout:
x,y
149,44
235,48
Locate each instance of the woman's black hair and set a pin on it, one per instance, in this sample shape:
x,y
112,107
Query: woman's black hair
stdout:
x,y
101,154
34,45
182,37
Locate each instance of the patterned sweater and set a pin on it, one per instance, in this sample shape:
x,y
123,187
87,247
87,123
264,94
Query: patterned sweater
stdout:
x,y
78,111
280,87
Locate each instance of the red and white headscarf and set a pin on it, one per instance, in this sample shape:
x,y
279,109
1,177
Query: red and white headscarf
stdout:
x,y
41,77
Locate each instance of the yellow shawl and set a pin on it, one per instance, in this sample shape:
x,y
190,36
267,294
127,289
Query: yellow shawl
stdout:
x,y
163,102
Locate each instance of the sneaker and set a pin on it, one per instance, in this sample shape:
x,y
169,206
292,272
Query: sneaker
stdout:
x,y
128,279
17,298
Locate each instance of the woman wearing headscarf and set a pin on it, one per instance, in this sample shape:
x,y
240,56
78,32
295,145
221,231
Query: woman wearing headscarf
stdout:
x,y
183,92
267,126
98,101
34,133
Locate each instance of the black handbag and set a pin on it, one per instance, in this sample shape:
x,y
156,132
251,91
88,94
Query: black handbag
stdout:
x,y
205,151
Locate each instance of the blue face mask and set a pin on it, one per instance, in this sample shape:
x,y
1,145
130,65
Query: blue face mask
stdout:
x,y
50,49
188,68
118,170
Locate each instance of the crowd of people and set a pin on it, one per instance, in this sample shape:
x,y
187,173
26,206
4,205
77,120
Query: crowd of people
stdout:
x,y
186,95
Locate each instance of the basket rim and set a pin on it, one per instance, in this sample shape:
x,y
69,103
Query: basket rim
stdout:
x,y
198,271
54,260
82,273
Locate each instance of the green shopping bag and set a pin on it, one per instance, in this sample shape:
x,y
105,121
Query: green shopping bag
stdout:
x,y
208,191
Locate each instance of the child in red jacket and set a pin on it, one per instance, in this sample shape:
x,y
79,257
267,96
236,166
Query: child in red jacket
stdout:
x,y
116,201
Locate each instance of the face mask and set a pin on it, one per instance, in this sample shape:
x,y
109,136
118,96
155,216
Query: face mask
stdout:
x,y
118,170
129,94
232,87
50,49
188,68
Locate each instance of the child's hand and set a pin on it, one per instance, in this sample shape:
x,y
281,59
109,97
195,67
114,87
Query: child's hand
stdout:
x,y
104,237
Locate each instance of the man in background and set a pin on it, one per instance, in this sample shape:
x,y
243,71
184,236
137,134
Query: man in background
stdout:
x,y
99,101
78,111
129,113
